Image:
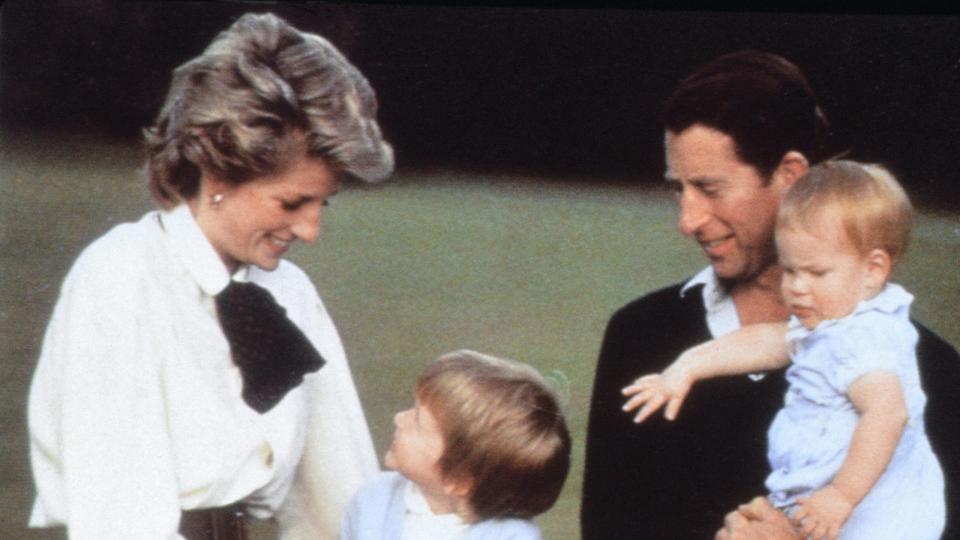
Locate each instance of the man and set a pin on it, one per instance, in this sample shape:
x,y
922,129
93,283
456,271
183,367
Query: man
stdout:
x,y
739,131
756,520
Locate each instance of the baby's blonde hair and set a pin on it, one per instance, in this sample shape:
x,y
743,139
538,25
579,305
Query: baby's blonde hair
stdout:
x,y
872,206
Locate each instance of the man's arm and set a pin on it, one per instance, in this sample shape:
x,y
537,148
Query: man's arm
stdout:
x,y
939,366
635,477
605,455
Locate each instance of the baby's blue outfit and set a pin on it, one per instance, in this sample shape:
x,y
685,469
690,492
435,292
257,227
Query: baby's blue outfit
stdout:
x,y
377,511
810,436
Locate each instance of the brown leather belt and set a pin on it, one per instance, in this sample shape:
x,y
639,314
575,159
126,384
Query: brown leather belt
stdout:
x,y
222,523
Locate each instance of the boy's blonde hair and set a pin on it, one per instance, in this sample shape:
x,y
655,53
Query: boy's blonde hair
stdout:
x,y
504,433
872,206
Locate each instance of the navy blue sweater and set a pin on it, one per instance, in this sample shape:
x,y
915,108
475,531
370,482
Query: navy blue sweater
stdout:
x,y
676,480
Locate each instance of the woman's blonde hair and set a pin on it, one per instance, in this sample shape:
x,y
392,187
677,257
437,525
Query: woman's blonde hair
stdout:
x,y
261,91
872,206
504,432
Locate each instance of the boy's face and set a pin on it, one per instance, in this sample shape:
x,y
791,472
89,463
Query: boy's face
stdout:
x,y
417,448
824,275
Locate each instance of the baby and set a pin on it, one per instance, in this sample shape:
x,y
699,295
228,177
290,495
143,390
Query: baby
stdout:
x,y
484,449
849,454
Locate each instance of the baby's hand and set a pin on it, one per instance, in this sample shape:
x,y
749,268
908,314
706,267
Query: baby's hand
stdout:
x,y
652,391
822,514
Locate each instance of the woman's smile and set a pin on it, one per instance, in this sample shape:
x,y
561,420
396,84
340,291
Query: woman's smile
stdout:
x,y
255,222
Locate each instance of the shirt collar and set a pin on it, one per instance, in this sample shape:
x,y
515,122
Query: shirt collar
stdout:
x,y
414,500
705,277
416,503
721,312
195,252
889,300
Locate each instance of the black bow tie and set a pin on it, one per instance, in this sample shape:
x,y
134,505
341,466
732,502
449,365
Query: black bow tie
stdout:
x,y
272,353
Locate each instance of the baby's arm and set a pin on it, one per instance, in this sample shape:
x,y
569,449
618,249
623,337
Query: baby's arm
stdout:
x,y
879,399
753,348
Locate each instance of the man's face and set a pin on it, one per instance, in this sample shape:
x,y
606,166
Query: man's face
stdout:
x,y
724,204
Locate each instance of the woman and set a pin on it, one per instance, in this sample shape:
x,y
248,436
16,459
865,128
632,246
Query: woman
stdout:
x,y
170,392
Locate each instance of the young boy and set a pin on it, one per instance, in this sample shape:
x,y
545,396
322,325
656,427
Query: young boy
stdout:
x,y
849,454
484,449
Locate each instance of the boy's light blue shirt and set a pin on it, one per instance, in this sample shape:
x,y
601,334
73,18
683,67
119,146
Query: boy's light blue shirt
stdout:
x,y
377,511
810,437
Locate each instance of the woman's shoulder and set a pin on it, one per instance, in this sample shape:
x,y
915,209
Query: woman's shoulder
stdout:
x,y
120,255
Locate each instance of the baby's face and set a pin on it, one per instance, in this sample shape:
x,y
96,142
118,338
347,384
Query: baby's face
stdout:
x,y
417,447
824,275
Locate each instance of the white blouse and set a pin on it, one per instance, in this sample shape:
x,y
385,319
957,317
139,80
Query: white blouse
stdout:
x,y
135,410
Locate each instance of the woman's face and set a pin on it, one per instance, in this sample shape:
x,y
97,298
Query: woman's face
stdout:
x,y
257,221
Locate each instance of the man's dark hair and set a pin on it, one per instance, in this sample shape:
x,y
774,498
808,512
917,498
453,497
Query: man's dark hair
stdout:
x,y
761,100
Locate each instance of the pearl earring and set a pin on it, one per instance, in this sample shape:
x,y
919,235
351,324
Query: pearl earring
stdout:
x,y
216,198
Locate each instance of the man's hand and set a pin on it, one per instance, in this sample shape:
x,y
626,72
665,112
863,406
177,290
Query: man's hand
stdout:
x,y
822,514
757,520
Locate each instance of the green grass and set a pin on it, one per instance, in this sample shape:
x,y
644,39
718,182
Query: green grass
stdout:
x,y
418,266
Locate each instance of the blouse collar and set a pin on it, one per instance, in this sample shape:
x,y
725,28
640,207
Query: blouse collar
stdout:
x,y
196,252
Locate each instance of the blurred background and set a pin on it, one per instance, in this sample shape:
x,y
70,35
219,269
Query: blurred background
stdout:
x,y
564,92
528,201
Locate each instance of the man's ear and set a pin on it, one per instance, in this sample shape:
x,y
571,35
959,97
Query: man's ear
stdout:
x,y
793,165
878,266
